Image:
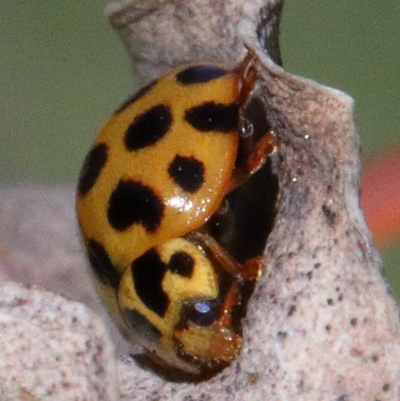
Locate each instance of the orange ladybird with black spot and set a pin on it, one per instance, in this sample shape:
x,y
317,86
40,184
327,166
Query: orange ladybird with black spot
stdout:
x,y
157,173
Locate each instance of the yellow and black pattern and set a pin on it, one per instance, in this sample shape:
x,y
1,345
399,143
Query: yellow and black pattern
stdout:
x,y
157,172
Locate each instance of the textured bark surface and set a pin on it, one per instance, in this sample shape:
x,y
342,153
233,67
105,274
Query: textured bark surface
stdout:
x,y
52,349
321,324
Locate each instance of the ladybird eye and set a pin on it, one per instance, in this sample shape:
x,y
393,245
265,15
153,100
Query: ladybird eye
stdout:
x,y
203,313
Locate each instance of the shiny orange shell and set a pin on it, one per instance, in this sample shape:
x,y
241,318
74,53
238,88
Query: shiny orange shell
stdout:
x,y
184,207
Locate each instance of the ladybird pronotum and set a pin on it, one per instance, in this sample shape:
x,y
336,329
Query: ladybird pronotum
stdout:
x,y
152,186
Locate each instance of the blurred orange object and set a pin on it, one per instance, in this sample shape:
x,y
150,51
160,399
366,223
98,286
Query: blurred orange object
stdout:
x,y
380,196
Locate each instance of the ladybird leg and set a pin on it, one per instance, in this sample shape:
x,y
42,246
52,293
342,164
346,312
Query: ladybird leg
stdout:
x,y
230,265
265,147
255,143
231,299
255,264
255,160
248,76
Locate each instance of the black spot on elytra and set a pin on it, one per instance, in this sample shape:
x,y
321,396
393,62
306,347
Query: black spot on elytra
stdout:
x,y
136,96
134,203
94,163
101,264
148,272
181,263
212,116
139,324
199,74
148,127
187,172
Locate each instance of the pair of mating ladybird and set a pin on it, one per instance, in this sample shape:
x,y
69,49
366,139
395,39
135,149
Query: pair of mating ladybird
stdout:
x,y
159,206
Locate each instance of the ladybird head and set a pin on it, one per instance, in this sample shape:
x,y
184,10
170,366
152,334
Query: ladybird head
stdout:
x,y
172,298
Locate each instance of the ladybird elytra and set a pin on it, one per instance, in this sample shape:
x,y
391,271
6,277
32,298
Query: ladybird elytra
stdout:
x,y
156,162
158,171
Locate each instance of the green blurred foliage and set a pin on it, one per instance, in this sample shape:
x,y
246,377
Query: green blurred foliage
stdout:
x,y
64,70
391,259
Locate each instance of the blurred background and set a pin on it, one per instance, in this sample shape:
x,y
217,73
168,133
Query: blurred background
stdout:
x,y
64,70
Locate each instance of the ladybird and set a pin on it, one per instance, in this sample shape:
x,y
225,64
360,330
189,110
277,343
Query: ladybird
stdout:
x,y
157,220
